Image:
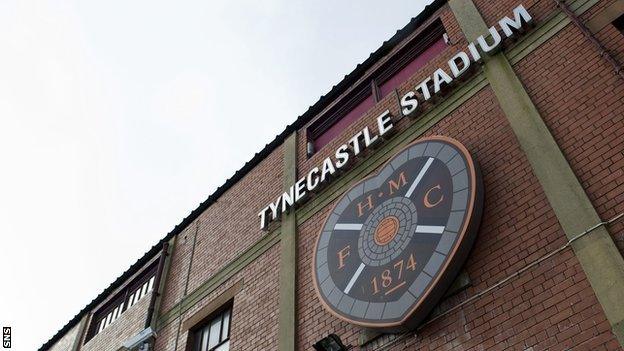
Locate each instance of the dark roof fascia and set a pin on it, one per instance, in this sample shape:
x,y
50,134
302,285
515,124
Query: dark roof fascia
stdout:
x,y
301,121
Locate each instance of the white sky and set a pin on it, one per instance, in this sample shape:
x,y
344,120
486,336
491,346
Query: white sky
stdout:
x,y
117,118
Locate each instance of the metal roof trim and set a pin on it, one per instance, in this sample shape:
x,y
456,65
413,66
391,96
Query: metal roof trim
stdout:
x,y
334,92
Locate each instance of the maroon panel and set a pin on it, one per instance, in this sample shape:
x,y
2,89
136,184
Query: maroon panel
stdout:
x,y
411,68
401,76
343,123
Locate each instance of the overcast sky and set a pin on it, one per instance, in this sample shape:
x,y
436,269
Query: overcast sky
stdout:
x,y
117,118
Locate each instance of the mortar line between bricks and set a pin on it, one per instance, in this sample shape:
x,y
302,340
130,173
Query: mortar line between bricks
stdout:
x,y
220,277
517,52
431,117
542,33
186,283
505,280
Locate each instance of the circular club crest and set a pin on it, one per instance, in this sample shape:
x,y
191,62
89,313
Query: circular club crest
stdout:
x,y
394,242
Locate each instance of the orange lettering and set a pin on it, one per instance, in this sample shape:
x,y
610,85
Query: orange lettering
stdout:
x,y
396,185
362,205
411,263
342,254
428,203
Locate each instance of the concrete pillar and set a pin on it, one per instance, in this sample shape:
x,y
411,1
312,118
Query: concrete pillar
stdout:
x,y
288,259
82,329
602,262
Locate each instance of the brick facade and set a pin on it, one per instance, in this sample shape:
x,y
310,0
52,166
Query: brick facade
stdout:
x,y
550,307
129,324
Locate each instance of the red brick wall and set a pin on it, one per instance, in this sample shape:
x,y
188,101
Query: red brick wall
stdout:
x,y
225,229
179,262
492,12
550,307
129,323
583,106
255,310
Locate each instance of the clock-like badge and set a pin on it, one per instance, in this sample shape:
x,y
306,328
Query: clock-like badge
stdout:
x,y
394,242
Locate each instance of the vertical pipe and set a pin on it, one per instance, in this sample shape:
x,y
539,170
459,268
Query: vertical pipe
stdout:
x,y
155,291
186,283
592,39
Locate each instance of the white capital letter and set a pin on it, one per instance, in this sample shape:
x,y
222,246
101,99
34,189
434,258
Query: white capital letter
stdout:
x,y
495,37
440,76
384,122
409,103
264,221
520,15
465,64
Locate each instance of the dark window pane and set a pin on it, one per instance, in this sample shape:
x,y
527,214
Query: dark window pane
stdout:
x,y
214,334
204,345
619,23
198,340
225,332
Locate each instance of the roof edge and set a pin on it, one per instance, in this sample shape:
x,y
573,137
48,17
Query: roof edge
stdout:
x,y
312,111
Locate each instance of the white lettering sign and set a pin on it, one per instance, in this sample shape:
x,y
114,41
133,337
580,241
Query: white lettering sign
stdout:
x,y
409,103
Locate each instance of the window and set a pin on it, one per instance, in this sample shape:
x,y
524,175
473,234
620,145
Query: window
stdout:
x,y
413,57
407,61
619,23
141,291
214,335
320,134
110,317
125,299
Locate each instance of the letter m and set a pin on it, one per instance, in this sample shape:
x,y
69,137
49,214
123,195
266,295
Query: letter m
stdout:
x,y
398,184
520,15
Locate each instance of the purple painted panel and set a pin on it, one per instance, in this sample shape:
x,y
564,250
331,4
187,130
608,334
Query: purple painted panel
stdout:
x,y
343,123
411,68
387,87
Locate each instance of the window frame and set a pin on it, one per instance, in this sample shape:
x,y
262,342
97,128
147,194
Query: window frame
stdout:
x,y
220,312
103,314
131,290
372,85
409,52
121,301
339,111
